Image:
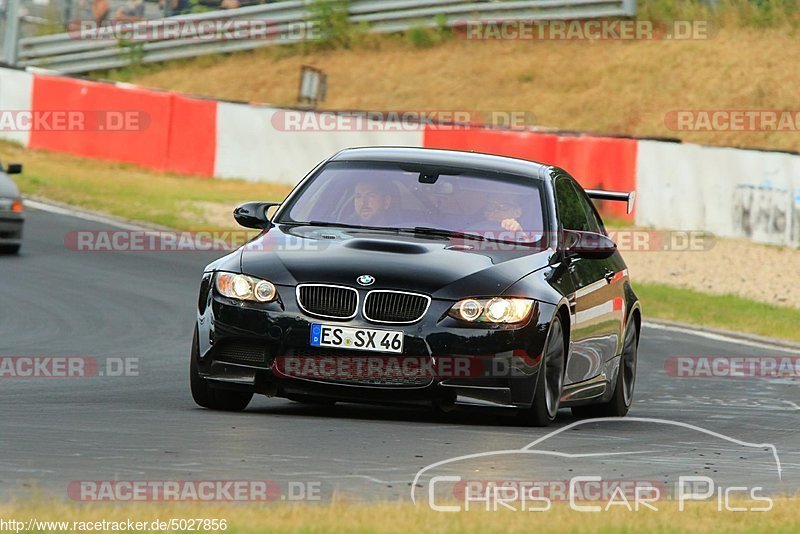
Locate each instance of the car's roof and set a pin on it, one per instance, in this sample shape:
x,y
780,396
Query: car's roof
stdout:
x,y
444,158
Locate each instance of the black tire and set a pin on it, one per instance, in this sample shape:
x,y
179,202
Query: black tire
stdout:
x,y
310,399
213,399
622,399
10,249
549,379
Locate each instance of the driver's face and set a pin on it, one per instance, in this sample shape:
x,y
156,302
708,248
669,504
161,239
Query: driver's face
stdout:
x,y
370,202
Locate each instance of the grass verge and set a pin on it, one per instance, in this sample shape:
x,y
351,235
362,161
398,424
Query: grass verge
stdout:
x,y
728,312
401,518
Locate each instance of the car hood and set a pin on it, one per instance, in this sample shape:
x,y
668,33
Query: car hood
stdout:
x,y
446,268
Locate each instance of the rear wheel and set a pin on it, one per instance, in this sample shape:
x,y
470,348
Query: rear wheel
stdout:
x,y
622,399
213,399
550,379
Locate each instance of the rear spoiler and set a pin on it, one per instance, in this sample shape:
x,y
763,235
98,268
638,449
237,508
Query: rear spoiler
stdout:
x,y
630,198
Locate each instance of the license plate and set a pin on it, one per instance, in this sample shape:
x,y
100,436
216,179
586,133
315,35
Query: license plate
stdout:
x,y
325,335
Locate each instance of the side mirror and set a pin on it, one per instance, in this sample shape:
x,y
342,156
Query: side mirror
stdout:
x,y
254,215
14,168
589,245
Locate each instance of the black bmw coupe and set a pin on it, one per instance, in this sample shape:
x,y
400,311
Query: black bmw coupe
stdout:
x,y
405,275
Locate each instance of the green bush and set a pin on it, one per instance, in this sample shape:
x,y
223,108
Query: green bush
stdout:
x,y
757,13
331,18
422,36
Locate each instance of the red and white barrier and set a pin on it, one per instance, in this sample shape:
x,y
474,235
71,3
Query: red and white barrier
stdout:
x,y
16,90
260,143
156,129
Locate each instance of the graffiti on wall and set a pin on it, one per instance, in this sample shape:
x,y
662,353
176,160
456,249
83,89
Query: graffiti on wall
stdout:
x,y
767,214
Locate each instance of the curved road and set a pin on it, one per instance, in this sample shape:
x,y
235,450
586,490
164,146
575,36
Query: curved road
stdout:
x,y
57,302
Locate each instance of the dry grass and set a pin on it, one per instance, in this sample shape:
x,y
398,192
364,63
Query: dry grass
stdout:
x,y
402,518
612,87
700,270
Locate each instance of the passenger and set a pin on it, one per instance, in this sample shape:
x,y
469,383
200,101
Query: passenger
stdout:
x,y
502,212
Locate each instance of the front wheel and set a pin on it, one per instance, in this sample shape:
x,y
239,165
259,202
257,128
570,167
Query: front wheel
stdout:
x,y
206,396
622,399
549,380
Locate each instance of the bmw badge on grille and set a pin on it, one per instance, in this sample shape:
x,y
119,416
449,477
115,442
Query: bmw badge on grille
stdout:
x,y
365,280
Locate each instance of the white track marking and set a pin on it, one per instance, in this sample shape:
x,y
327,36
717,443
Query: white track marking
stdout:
x,y
721,337
59,210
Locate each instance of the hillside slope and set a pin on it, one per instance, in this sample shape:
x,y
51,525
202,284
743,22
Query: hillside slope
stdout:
x,y
604,86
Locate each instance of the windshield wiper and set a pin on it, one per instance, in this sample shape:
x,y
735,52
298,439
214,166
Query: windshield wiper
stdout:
x,y
422,230
345,225
425,230
322,223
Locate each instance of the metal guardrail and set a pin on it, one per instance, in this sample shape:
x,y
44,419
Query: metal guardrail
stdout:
x,y
66,53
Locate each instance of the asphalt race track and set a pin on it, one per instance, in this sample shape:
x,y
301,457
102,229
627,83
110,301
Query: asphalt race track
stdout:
x,y
58,302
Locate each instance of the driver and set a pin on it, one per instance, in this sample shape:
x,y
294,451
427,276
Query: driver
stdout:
x,y
373,202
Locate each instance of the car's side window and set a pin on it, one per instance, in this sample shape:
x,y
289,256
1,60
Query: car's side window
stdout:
x,y
593,221
571,211
575,208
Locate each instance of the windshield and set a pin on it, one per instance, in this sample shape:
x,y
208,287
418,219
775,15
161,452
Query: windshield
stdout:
x,y
394,197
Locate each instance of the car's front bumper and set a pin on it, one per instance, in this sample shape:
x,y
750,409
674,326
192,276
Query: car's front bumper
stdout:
x,y
246,346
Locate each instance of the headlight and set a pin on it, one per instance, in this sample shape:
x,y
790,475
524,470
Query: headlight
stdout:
x,y
496,310
243,287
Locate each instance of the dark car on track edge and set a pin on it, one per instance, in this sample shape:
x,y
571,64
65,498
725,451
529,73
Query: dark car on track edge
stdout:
x,y
494,276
